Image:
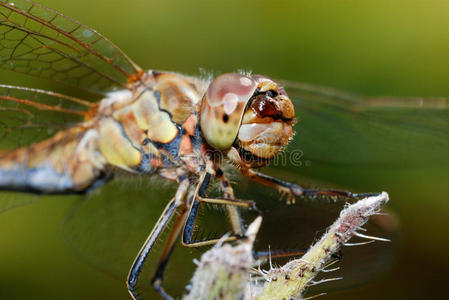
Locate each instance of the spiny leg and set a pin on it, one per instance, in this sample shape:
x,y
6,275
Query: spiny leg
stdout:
x,y
160,226
200,196
170,243
179,225
228,193
294,189
233,213
139,261
190,221
188,233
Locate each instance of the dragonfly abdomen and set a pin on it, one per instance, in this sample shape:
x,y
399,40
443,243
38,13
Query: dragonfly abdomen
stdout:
x,y
67,162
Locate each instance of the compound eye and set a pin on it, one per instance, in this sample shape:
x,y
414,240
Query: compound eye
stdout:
x,y
222,108
229,89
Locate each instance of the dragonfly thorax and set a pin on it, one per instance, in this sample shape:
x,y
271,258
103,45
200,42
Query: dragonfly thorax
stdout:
x,y
153,126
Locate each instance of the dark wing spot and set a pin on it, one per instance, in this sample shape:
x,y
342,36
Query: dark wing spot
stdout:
x,y
225,118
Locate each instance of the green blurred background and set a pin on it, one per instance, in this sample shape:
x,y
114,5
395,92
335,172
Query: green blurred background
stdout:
x,y
375,48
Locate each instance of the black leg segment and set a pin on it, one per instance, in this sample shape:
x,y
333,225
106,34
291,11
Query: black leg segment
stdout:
x,y
138,263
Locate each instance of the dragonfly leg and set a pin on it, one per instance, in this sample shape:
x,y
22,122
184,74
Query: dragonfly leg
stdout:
x,y
160,226
188,232
233,213
181,222
158,276
236,202
200,196
228,192
293,190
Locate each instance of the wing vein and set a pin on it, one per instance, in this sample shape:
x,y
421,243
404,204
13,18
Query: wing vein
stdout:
x,y
41,42
49,93
49,25
41,106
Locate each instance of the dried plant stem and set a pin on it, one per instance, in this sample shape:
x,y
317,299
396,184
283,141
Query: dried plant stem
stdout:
x,y
290,280
224,271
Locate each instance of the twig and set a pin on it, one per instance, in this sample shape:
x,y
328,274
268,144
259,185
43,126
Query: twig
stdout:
x,y
224,271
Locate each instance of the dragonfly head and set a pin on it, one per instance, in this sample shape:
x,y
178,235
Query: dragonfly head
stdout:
x,y
250,116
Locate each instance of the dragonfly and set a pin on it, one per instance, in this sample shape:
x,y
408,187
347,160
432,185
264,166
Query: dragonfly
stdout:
x,y
185,129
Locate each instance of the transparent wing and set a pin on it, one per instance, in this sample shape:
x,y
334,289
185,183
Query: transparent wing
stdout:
x,y
107,229
365,144
10,200
342,128
39,41
29,115
343,140
298,226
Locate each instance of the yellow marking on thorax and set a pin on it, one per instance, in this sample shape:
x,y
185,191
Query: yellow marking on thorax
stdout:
x,y
115,147
179,95
144,118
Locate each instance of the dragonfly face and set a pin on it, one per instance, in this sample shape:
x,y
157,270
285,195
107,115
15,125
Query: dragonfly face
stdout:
x,y
249,117
152,122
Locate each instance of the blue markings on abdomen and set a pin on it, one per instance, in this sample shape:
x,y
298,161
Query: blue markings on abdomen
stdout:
x,y
42,179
